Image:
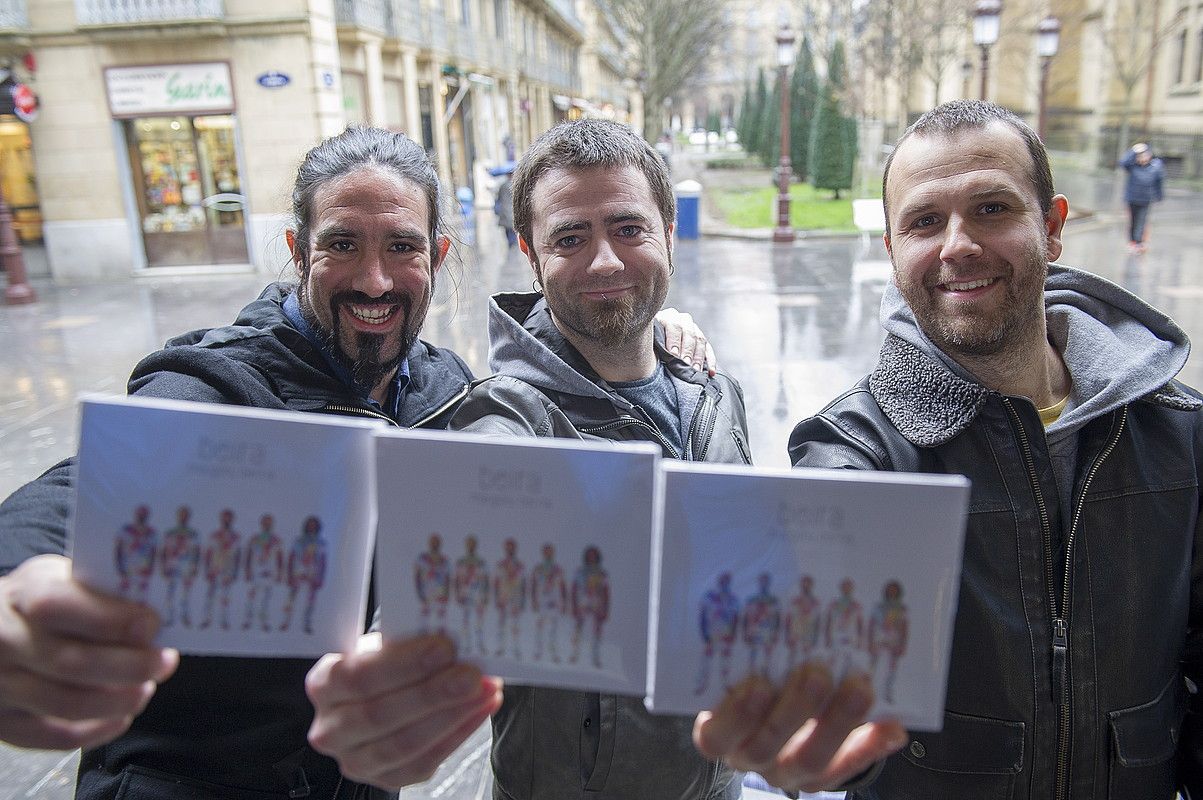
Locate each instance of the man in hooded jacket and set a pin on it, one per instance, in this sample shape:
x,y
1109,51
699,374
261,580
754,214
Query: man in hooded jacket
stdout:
x,y
1076,649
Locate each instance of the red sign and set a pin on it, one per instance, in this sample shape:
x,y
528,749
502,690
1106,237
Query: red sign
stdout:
x,y
25,102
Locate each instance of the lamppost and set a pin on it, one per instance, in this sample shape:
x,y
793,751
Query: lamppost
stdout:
x,y
966,76
1048,38
785,59
985,33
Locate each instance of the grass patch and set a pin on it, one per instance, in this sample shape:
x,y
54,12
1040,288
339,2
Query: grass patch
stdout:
x,y
810,210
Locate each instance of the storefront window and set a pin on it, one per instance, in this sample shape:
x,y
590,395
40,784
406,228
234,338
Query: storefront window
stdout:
x,y
188,189
17,179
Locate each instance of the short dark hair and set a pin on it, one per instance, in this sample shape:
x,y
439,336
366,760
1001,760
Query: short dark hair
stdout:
x,y
356,147
589,143
960,115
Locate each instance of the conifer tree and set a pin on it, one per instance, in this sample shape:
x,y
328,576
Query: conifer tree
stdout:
x,y
831,152
804,98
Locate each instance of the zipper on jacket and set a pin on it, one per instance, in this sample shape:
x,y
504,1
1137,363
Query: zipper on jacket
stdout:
x,y
709,406
1061,694
361,412
367,412
624,422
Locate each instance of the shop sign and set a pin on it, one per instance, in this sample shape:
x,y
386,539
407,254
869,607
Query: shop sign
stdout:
x,y
273,80
170,89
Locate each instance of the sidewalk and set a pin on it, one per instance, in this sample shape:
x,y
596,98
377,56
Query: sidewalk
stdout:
x,y
1092,193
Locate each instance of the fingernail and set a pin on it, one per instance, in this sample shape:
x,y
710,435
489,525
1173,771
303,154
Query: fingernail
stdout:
x,y
676,351
898,740
438,654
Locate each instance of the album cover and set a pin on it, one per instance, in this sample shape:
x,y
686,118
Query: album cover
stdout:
x,y
761,571
249,531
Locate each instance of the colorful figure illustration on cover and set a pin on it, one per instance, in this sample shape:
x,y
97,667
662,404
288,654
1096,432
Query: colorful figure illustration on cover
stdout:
x,y
264,571
179,561
432,579
306,572
761,625
719,623
844,628
509,596
803,621
590,604
549,601
222,559
887,637
135,553
472,595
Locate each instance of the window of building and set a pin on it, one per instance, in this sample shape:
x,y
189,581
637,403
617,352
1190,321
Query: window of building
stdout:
x,y
1199,57
1180,72
355,108
465,12
499,19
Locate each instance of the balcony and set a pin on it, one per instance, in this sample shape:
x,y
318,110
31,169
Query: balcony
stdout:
x,y
371,15
13,16
406,23
142,12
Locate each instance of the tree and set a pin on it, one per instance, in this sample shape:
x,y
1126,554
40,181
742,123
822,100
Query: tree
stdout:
x,y
832,155
1131,37
745,115
804,98
672,40
755,114
770,128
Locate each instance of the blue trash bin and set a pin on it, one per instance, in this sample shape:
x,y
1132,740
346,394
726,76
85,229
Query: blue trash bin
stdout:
x,y
689,210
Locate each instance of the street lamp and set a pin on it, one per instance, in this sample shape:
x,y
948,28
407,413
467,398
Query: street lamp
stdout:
x,y
985,33
785,59
1048,38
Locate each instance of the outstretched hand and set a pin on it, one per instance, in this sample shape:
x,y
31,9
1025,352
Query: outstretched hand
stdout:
x,y
76,665
392,712
808,735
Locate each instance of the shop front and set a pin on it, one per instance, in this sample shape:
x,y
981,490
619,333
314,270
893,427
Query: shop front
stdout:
x,y
181,139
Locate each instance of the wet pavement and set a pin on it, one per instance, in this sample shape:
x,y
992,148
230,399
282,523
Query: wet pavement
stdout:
x,y
795,324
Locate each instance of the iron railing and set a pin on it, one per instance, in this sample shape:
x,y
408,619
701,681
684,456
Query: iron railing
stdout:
x,y
119,12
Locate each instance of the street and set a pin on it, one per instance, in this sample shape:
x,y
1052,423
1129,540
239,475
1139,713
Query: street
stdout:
x,y
795,324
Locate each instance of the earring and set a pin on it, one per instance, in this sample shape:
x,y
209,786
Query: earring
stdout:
x,y
536,286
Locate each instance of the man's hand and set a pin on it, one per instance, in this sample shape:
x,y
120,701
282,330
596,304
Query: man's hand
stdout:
x,y
684,339
391,712
76,666
808,735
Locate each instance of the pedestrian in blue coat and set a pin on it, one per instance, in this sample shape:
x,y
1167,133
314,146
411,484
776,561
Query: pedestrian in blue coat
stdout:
x,y
1142,189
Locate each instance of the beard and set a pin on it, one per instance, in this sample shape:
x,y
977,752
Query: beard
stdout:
x,y
612,322
370,364
981,335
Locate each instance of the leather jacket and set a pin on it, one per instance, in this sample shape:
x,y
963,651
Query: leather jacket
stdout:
x,y
551,744
229,728
1077,641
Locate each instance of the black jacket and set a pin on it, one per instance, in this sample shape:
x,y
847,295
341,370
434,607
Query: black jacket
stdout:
x,y
550,744
231,728
1076,639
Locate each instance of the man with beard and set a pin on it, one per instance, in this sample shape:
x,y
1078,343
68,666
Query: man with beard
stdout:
x,y
580,359
76,666
79,668
1077,638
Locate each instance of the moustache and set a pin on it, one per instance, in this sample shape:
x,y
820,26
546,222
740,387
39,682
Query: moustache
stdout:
x,y
352,297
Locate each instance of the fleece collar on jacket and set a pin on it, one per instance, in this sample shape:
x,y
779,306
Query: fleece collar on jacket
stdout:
x,y
1118,349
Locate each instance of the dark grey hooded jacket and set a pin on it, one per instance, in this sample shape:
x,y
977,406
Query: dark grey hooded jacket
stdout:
x,y
556,744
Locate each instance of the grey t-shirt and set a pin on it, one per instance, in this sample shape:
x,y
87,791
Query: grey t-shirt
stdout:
x,y
666,401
